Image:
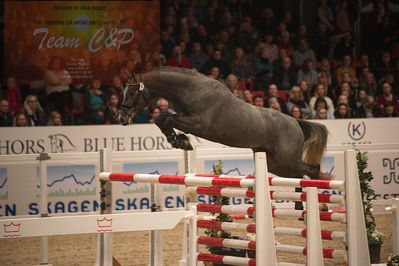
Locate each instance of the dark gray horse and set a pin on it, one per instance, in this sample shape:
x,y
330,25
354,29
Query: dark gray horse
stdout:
x,y
207,109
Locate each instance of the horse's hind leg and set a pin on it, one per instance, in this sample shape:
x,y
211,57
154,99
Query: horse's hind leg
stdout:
x,y
165,123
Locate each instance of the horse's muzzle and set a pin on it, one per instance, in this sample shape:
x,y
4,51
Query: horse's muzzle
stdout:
x,y
124,120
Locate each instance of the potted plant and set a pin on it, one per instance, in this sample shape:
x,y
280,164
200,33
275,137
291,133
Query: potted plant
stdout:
x,y
222,217
393,260
375,238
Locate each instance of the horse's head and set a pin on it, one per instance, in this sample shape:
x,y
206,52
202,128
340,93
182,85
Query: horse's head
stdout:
x,y
134,100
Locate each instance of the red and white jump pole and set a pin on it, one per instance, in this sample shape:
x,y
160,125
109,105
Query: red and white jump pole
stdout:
x,y
275,195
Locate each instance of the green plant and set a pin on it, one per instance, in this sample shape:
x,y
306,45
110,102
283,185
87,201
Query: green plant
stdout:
x,y
373,236
222,217
393,260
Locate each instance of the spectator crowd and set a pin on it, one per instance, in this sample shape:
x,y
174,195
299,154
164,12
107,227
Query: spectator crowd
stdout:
x,y
263,55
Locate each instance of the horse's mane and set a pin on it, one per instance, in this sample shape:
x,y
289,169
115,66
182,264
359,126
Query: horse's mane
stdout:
x,y
189,72
185,71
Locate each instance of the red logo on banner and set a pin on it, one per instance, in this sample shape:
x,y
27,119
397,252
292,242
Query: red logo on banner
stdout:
x,y
12,230
104,225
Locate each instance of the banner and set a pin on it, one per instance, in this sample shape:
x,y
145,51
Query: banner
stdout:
x,y
89,38
144,137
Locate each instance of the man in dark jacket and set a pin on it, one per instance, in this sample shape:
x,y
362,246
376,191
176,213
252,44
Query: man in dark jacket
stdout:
x,y
5,115
285,76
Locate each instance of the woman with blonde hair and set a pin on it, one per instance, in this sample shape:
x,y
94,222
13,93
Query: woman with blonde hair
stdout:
x,y
297,99
34,111
55,119
321,92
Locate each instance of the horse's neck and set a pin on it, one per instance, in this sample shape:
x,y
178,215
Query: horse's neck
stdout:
x,y
169,86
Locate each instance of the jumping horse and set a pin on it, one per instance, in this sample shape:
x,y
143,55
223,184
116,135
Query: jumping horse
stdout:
x,y
206,108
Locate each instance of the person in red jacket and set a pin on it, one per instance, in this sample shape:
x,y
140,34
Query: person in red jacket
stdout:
x,y
13,96
178,59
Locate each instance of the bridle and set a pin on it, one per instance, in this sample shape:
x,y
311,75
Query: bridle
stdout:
x,y
138,94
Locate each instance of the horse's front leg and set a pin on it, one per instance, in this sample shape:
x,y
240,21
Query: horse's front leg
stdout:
x,y
165,122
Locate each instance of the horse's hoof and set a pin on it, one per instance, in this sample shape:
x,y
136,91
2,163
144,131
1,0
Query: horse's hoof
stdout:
x,y
323,207
184,143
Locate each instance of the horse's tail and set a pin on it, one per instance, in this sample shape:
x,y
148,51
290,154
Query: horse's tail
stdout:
x,y
315,140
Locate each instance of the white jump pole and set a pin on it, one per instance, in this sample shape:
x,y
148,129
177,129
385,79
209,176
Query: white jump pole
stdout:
x,y
104,240
156,236
266,250
193,235
395,226
314,244
43,157
358,250
189,162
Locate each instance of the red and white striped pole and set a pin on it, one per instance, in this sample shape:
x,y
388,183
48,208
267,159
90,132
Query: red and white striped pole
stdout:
x,y
276,213
251,228
275,195
216,180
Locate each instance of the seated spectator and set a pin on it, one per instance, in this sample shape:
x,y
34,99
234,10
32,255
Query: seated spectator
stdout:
x,y
325,79
163,106
94,106
346,89
263,69
307,73
55,119
345,46
364,62
346,77
387,96
389,110
111,112
34,112
154,113
197,57
273,92
321,104
74,108
57,80
321,42
269,45
241,66
285,76
178,59
214,73
342,111
384,64
286,44
217,61
259,101
13,96
248,97
296,112
321,113
306,91
303,52
361,94
343,99
368,82
238,94
346,67
274,104
116,88
20,120
367,109
6,119
296,98
232,82
320,92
